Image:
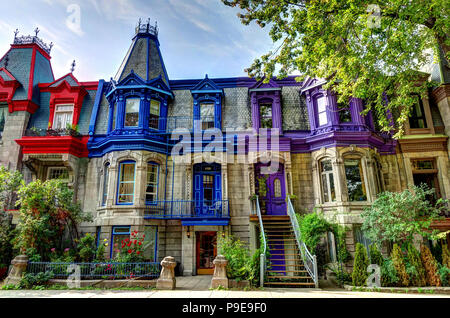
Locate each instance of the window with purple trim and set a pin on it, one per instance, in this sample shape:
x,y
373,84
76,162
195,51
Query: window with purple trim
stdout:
x,y
345,115
265,115
355,179
327,179
322,111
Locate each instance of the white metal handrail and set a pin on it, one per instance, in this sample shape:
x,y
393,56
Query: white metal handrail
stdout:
x,y
309,260
262,256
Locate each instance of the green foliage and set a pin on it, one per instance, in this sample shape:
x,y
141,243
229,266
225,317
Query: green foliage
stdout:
x,y
389,275
47,212
30,280
414,267
444,275
9,184
375,255
436,251
431,267
359,274
445,255
342,275
400,267
237,255
397,217
87,248
100,253
359,56
6,235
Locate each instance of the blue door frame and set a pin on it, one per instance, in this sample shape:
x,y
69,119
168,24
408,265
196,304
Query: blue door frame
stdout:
x,y
207,189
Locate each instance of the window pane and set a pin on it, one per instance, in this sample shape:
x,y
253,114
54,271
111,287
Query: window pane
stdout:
x,y
154,114
126,183
265,113
151,193
325,188
323,119
2,120
355,182
149,250
322,111
114,117
118,240
417,117
132,112
277,187
344,115
207,115
58,173
105,183
63,116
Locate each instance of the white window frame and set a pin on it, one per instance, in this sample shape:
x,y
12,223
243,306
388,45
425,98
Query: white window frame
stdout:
x,y
66,119
155,183
322,111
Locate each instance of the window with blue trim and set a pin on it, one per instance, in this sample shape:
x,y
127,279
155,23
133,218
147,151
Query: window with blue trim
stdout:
x,y
114,117
125,193
98,232
207,115
119,234
105,183
132,112
150,249
155,107
151,190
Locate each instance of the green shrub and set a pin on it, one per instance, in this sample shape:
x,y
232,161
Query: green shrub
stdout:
x,y
312,228
430,265
237,255
375,255
445,256
389,277
359,274
342,276
415,268
436,251
444,274
29,280
400,267
87,248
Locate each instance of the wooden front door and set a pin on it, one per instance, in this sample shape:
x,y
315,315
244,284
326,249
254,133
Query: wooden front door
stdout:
x,y
206,252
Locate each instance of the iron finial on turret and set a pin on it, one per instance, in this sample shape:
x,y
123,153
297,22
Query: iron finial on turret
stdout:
x,y
36,31
15,33
73,66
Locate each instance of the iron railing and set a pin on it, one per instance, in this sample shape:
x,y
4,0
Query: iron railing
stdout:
x,y
185,209
309,260
38,132
262,256
107,270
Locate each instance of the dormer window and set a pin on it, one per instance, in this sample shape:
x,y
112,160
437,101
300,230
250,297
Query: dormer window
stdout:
x,y
132,112
417,118
207,115
63,116
265,114
322,111
153,122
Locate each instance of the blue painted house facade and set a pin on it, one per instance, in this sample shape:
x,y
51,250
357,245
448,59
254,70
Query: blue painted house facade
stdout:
x,y
182,160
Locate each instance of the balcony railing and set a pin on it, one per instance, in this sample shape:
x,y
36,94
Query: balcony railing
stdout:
x,y
185,209
37,132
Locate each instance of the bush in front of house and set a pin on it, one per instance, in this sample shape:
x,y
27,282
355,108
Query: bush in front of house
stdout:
x,y
375,255
431,268
400,267
359,275
415,268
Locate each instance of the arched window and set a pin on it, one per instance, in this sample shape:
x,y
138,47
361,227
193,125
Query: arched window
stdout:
x,y
327,179
151,190
277,188
132,112
105,183
126,182
355,179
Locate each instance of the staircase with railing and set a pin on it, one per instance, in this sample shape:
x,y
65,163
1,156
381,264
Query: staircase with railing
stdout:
x,y
290,263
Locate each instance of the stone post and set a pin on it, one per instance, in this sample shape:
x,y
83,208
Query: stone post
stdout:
x,y
167,278
220,272
19,266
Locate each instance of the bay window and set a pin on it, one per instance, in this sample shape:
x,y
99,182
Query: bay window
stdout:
x,y
327,179
355,180
151,190
132,112
126,182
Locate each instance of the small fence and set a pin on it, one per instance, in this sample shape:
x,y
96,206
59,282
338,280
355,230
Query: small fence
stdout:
x,y
148,270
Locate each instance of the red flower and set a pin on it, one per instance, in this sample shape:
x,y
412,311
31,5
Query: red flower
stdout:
x,y
130,251
129,244
140,243
138,252
134,242
143,236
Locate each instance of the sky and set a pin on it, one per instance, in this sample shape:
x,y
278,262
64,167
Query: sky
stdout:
x,y
197,37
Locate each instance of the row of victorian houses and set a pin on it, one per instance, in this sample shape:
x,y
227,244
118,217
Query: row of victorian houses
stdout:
x,y
113,143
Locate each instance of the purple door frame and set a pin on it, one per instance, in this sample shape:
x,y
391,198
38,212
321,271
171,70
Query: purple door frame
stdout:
x,y
275,200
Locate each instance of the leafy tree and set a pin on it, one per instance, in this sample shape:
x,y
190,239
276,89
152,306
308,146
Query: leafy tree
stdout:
x,y
397,217
431,268
47,214
87,248
9,184
6,235
415,268
359,56
359,274
400,267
